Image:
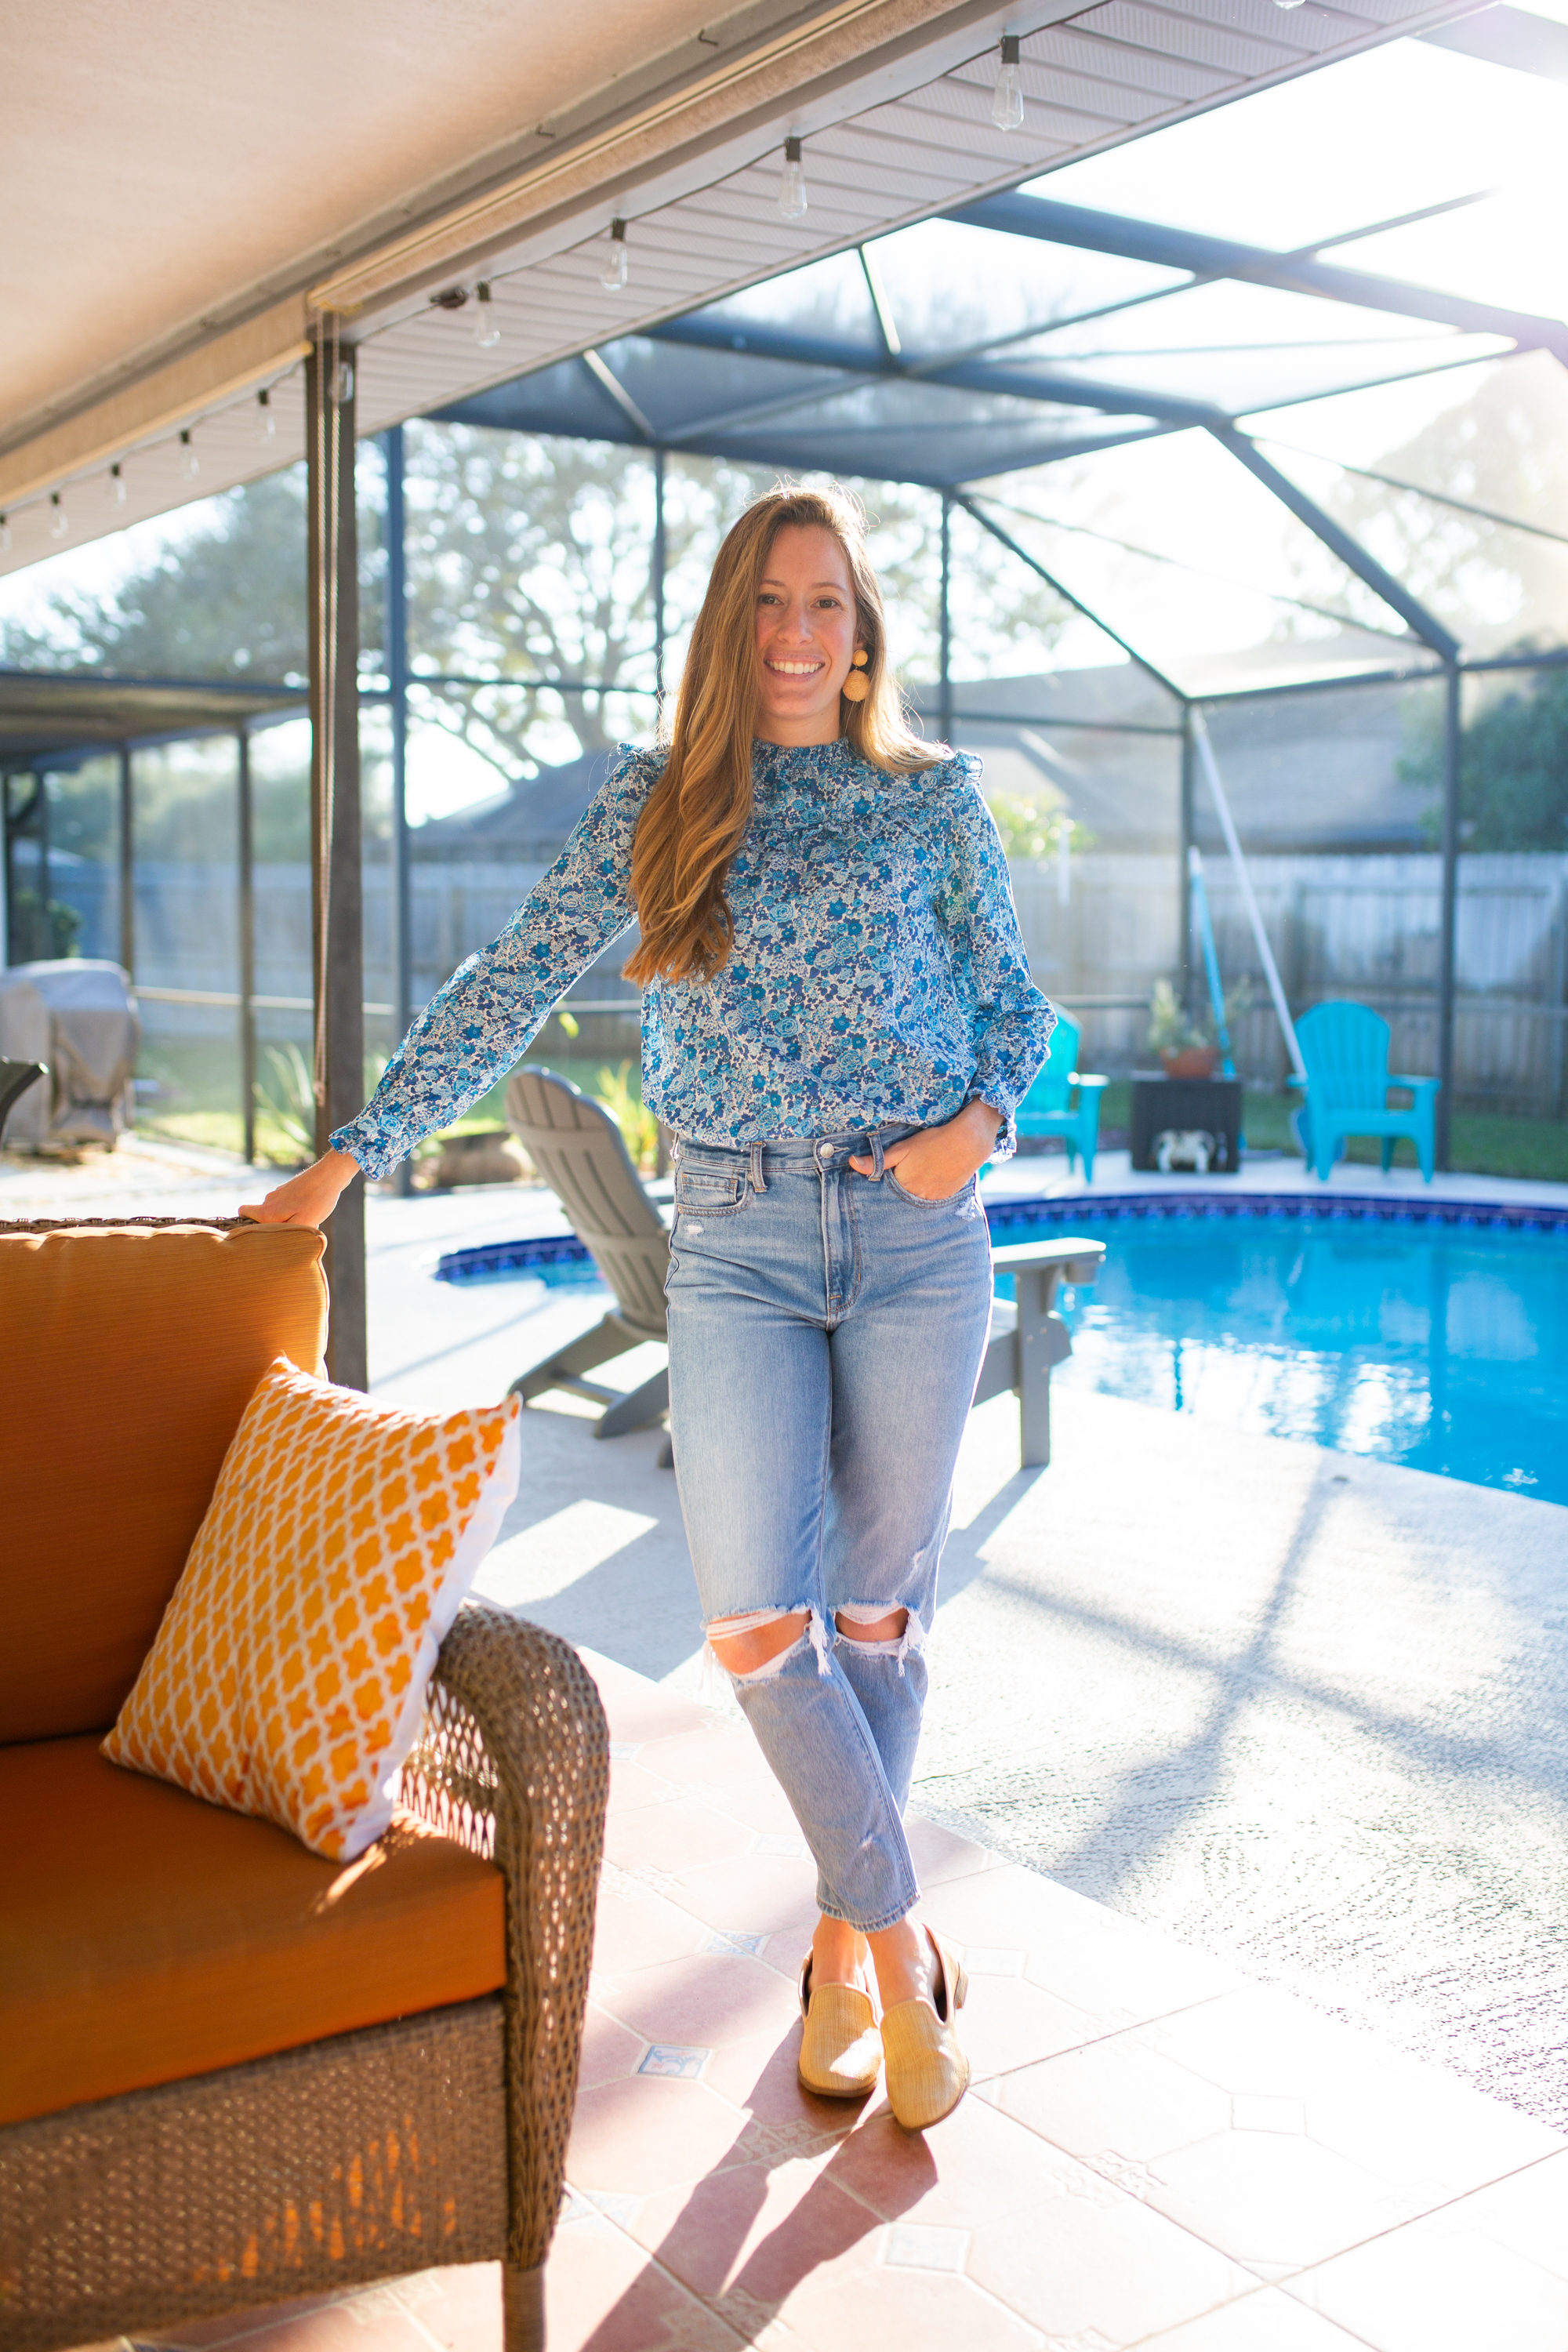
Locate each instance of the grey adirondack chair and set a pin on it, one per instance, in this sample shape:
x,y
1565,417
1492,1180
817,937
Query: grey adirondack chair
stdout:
x,y
15,1077
1027,1335
577,1148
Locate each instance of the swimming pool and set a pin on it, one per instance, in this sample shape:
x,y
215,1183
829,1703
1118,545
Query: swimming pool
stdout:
x,y
1436,1338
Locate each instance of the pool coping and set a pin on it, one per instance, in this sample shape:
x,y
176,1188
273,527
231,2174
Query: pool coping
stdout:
x,y
495,1261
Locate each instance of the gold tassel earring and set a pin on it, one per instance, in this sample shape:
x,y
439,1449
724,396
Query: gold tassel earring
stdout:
x,y
857,686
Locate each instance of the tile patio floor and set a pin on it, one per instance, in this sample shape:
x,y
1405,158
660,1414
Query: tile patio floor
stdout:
x,y
1155,2153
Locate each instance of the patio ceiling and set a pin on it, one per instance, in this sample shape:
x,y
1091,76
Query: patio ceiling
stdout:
x,y
195,197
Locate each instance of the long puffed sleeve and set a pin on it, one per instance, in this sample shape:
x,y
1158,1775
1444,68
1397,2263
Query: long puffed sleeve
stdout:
x,y
1010,1021
488,1013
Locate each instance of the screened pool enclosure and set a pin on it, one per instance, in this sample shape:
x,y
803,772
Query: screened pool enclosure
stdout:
x,y
1133,475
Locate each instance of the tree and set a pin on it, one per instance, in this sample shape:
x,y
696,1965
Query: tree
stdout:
x,y
1513,769
1505,448
226,601
529,559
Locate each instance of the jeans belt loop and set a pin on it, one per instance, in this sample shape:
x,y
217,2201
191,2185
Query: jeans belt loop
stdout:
x,y
876,1155
754,1172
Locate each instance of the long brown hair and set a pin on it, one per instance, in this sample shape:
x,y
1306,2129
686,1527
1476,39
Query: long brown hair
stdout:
x,y
697,814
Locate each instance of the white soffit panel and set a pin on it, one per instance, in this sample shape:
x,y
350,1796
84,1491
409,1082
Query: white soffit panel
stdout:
x,y
893,133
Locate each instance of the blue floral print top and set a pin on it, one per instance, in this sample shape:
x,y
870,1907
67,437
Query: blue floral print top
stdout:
x,y
877,973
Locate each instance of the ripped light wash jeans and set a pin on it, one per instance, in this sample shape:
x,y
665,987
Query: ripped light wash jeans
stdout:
x,y
825,1334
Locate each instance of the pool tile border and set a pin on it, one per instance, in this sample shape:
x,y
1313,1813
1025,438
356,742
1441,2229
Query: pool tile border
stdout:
x,y
1336,1208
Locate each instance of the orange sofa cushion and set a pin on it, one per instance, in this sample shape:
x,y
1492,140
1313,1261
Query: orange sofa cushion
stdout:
x,y
127,1357
146,1936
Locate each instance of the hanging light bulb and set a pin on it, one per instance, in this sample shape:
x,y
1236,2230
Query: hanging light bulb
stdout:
x,y
487,326
190,464
62,521
266,423
792,184
613,268
116,487
1007,98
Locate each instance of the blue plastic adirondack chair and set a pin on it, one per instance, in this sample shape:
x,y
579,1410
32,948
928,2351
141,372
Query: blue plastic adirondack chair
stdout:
x,y
1345,1048
1044,1110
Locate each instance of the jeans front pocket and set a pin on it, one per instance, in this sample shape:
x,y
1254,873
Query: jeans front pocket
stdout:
x,y
943,1200
709,1192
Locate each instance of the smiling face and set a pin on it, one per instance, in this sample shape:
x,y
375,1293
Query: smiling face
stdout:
x,y
806,635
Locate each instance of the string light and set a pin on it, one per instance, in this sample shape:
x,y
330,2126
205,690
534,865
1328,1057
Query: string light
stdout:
x,y
62,521
266,423
1007,98
116,487
613,268
190,464
792,182
487,326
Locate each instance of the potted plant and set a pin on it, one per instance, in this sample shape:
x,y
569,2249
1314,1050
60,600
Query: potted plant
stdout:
x,y
1185,1047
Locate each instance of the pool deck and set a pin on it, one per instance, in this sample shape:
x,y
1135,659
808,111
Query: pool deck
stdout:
x,y
147,1177
1154,2152
1244,1788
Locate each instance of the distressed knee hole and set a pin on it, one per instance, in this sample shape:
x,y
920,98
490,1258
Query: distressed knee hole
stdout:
x,y
755,1647
858,1623
879,1632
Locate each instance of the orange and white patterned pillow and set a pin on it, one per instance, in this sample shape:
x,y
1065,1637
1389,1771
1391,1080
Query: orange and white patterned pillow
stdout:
x,y
288,1674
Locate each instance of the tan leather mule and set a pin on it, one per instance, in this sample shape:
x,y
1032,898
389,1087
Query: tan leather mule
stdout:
x,y
928,2073
840,2048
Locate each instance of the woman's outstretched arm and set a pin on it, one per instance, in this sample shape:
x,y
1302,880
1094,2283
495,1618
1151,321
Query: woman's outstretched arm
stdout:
x,y
488,1013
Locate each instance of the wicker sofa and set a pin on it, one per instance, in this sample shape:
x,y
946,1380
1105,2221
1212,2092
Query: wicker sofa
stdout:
x,y
231,2073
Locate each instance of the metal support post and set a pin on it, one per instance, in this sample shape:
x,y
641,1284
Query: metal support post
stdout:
x,y
246,947
1184,862
338,1062
397,681
46,891
660,560
944,705
127,863
1453,716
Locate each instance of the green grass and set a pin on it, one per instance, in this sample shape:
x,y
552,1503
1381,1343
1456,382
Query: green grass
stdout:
x,y
1482,1144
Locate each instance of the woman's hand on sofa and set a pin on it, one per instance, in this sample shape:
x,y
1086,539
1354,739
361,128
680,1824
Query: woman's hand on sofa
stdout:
x,y
308,1199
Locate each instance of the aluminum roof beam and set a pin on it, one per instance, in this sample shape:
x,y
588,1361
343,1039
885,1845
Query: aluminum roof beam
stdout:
x,y
1216,256
1006,540
1009,378
1351,552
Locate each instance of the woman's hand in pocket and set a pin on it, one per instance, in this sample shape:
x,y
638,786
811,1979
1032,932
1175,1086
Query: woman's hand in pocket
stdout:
x,y
937,1162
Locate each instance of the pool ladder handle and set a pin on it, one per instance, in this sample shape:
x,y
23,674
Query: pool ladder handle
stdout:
x,y
1028,1339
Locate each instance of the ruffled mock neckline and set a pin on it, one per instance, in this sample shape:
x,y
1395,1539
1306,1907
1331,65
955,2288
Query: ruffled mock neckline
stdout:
x,y
801,763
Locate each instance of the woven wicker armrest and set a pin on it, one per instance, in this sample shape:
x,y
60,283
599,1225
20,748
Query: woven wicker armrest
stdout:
x,y
513,1761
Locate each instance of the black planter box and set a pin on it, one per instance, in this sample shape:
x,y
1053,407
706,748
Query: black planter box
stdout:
x,y
1186,1106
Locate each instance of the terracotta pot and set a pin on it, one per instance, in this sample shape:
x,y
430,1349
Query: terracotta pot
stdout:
x,y
1191,1062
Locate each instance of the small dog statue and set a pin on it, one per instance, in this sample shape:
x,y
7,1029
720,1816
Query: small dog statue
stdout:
x,y
1184,1147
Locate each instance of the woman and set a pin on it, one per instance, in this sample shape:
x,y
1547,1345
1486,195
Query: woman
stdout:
x,y
838,1023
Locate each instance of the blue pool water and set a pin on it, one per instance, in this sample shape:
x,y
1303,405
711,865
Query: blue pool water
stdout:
x,y
1442,1346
